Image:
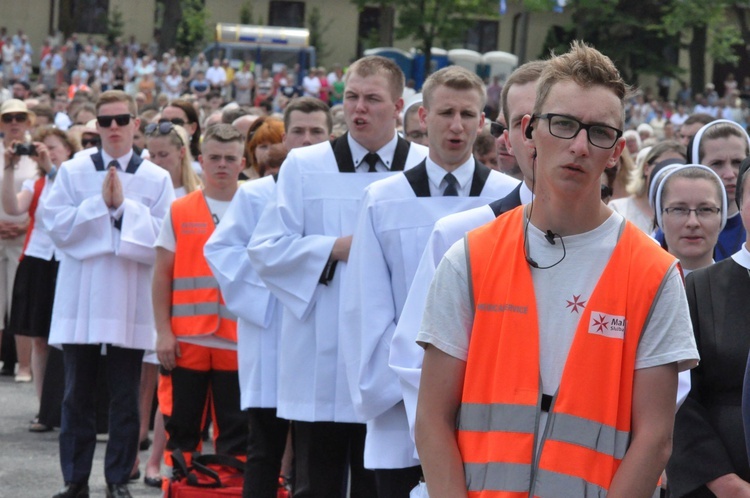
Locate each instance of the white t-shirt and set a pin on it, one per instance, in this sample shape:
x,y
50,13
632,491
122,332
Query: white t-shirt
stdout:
x,y
561,293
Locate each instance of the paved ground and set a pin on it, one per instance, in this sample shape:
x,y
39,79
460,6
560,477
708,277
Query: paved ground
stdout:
x,y
29,465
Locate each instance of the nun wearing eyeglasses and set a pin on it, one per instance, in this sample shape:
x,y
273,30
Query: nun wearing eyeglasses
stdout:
x,y
709,457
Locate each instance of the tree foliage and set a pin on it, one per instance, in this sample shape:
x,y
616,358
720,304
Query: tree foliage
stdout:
x,y
115,25
429,22
192,31
645,37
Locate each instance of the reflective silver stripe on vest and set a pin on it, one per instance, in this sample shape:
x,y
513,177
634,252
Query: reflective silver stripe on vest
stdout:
x,y
550,483
226,314
497,477
185,310
478,417
587,433
193,283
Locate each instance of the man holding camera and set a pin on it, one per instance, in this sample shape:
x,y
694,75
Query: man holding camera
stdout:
x,y
15,122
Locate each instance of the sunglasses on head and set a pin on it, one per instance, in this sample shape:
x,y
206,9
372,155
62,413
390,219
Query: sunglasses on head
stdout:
x,y
162,128
90,142
496,129
177,121
18,117
120,119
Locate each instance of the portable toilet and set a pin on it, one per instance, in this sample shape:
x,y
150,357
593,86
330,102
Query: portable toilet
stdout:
x,y
439,60
404,59
468,59
499,63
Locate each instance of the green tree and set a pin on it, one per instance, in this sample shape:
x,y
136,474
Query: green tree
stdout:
x,y
712,31
317,30
192,31
628,32
428,22
246,13
115,25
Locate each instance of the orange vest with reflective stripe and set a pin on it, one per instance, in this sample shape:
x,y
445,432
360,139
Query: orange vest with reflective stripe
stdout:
x,y
589,420
198,307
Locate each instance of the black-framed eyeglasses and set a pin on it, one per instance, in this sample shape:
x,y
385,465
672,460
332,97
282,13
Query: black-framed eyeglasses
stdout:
x,y
90,142
496,129
162,128
18,117
703,212
177,121
120,119
568,127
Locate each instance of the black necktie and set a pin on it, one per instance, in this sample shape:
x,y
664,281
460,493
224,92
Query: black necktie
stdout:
x,y
113,163
452,188
372,159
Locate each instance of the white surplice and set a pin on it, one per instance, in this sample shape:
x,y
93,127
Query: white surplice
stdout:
x,y
391,234
405,354
103,293
258,312
314,205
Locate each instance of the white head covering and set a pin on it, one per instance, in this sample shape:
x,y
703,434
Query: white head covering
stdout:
x,y
672,171
698,136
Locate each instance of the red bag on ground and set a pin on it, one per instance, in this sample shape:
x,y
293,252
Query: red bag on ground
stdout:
x,y
208,476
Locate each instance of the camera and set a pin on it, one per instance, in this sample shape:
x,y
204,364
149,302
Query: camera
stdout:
x,y
24,150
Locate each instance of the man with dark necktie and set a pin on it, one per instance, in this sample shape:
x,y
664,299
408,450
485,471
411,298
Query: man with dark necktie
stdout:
x,y
105,220
395,220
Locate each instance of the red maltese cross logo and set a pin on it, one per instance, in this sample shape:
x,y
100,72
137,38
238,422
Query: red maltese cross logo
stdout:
x,y
600,324
575,303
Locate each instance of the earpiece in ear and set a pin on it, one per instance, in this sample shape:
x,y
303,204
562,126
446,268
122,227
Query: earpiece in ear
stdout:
x,y
529,129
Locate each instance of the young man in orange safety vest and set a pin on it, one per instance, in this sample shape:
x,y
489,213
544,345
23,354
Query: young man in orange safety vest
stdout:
x,y
196,334
553,335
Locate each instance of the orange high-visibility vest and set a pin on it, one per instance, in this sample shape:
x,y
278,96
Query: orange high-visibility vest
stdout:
x,y
589,419
198,307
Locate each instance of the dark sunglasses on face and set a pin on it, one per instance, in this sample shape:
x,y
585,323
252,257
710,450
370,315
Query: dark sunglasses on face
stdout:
x,y
120,119
90,142
177,121
19,117
496,129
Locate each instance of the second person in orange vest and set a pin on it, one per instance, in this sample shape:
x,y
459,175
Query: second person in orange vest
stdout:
x,y
196,334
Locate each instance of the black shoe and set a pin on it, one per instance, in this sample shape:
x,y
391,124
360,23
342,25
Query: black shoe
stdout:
x,y
118,491
74,490
153,482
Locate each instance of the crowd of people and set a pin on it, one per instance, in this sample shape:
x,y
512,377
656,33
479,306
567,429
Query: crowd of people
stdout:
x,y
330,277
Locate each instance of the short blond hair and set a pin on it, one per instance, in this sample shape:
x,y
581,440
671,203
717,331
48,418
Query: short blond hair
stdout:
x,y
456,78
116,96
376,65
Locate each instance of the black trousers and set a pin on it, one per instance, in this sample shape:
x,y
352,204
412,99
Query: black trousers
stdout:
x,y
190,392
265,447
397,483
78,424
324,454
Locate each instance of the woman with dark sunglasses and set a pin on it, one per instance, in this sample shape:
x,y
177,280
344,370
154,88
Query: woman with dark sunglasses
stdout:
x,y
15,123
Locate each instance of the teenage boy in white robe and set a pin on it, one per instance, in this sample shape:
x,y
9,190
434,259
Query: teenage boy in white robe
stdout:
x,y
307,121
395,220
104,213
300,249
